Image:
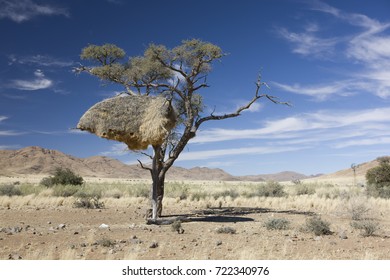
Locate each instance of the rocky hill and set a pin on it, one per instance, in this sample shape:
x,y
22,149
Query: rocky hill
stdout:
x,y
40,161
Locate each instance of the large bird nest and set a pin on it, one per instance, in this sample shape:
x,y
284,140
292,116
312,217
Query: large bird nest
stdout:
x,y
137,121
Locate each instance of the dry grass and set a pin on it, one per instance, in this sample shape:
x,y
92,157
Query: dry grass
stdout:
x,y
126,202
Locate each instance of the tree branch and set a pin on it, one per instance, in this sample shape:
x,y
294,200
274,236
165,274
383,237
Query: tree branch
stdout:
x,y
256,97
143,167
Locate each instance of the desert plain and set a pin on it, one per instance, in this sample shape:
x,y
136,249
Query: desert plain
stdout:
x,y
219,220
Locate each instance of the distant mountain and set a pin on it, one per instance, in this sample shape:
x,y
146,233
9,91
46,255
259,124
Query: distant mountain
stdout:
x,y
36,160
281,176
361,170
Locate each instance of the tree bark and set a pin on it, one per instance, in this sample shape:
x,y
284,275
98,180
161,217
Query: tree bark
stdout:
x,y
158,179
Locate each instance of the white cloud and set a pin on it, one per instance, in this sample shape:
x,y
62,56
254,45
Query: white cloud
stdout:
x,y
119,149
370,47
24,10
9,147
308,44
332,128
39,60
364,142
8,132
40,82
208,154
323,91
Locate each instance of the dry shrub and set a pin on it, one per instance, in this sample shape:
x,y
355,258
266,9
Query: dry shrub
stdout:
x,y
277,224
137,121
317,226
367,227
226,230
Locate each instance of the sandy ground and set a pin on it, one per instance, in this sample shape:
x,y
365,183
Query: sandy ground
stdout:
x,y
34,231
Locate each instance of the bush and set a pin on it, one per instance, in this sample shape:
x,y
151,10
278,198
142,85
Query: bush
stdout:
x,y
367,227
317,226
358,208
105,242
88,203
378,179
228,230
270,189
62,177
226,193
10,190
176,226
277,224
302,189
65,190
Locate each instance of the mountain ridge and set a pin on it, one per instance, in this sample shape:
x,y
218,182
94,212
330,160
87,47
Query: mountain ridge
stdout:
x,y
34,160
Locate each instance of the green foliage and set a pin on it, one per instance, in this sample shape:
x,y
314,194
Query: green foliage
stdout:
x,y
197,196
318,226
10,190
302,189
28,189
105,54
277,224
177,190
378,179
65,190
226,193
269,189
140,191
62,177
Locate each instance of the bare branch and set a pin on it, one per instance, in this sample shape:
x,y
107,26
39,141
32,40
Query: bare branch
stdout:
x,y
147,155
144,167
256,97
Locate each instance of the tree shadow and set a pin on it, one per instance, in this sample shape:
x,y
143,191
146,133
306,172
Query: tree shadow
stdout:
x,y
224,215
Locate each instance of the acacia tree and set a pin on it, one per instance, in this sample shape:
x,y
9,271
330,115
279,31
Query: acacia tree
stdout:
x,y
181,73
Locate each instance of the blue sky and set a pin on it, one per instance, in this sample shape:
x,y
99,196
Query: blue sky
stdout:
x,y
330,59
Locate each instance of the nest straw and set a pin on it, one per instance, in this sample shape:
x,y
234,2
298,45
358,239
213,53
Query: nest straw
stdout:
x,y
137,121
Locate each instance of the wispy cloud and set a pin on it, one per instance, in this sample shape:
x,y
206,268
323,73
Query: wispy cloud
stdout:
x,y
39,82
119,149
24,10
39,60
8,132
370,46
308,43
322,92
332,128
209,154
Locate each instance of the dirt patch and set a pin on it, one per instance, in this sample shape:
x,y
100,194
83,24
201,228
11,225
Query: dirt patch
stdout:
x,y
64,232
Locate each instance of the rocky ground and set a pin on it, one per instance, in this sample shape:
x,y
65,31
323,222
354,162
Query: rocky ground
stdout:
x,y
120,232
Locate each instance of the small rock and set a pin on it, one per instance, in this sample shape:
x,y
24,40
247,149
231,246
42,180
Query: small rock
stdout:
x,y
49,223
14,256
317,238
76,232
218,243
104,226
153,245
61,226
343,235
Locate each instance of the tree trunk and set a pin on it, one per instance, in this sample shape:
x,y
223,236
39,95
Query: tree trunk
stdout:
x,y
158,179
